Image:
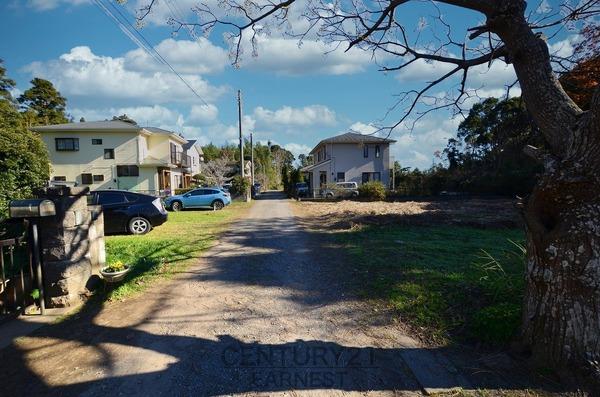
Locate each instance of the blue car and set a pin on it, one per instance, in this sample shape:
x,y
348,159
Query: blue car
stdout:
x,y
204,197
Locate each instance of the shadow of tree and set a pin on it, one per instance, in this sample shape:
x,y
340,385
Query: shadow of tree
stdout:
x,y
90,354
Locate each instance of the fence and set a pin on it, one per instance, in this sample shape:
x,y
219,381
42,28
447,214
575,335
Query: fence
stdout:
x,y
17,277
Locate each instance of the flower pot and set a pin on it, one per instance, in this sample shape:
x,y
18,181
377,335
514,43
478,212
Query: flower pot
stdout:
x,y
114,277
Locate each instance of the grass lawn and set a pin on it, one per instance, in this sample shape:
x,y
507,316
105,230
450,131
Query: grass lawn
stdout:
x,y
447,282
168,248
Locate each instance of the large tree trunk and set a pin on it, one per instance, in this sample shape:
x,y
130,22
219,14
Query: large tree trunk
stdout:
x,y
561,316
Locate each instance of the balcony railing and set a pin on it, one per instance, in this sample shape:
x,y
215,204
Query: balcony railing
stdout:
x,y
181,159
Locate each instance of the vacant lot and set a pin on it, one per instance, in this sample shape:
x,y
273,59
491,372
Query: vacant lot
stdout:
x,y
168,248
449,270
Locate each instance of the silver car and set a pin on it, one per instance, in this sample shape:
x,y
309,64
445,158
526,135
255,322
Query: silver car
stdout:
x,y
341,190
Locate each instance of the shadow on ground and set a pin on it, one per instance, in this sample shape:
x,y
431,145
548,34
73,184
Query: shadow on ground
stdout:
x,y
273,252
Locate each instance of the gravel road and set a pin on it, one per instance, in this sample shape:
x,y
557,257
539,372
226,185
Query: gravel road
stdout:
x,y
267,311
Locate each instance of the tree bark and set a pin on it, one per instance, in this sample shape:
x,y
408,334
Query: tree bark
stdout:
x,y
561,314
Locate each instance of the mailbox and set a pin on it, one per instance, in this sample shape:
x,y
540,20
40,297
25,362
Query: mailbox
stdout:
x,y
32,208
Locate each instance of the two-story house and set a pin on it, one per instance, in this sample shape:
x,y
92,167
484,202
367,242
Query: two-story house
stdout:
x,y
349,157
117,154
193,149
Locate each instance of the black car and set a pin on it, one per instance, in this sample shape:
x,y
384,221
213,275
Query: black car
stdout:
x,y
128,212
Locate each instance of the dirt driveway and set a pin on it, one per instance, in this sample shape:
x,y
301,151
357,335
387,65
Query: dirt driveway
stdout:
x,y
267,311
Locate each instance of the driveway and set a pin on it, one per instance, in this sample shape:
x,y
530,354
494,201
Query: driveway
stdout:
x,y
267,311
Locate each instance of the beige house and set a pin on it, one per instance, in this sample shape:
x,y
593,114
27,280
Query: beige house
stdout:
x,y
349,157
119,155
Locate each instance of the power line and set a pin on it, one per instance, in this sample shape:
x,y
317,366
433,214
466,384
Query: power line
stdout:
x,y
131,32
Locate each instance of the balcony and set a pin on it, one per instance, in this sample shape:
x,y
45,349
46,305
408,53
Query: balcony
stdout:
x,y
181,159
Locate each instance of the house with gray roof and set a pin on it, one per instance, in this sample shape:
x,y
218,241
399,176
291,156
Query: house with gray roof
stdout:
x,y
119,154
349,157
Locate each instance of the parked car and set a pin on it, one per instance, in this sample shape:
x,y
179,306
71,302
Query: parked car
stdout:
x,y
341,190
256,189
204,197
128,212
301,189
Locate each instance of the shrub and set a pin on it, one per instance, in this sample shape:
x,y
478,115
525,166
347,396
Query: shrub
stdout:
x,y
184,190
239,185
372,190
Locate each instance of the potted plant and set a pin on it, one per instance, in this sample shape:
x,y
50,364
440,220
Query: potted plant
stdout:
x,y
115,272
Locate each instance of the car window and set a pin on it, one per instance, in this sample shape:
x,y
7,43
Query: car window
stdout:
x,y
110,198
132,198
212,191
196,192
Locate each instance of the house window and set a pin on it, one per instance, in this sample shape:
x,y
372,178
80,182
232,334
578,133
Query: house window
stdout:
x,y
67,144
98,178
365,177
109,154
60,178
86,179
96,141
377,151
341,177
371,176
366,151
128,170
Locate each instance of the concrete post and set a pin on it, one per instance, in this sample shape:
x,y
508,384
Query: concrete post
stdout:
x,y
72,245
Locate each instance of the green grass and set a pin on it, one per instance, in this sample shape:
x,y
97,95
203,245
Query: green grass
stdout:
x,y
448,281
167,249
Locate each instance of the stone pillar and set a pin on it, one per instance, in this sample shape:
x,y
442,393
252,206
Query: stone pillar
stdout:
x,y
72,244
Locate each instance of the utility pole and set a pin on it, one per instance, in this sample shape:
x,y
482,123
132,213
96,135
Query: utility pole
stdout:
x,y
252,158
239,98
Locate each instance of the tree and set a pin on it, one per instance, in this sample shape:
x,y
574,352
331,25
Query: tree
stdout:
x,y
584,77
24,164
6,84
211,152
216,171
487,154
561,316
44,103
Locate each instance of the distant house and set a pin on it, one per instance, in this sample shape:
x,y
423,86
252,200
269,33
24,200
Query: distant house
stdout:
x,y
193,149
119,154
349,157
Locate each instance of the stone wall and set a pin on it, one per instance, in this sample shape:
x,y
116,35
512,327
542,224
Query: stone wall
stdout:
x,y
72,245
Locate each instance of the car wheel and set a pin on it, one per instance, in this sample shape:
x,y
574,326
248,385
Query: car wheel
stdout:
x,y
139,225
217,205
176,206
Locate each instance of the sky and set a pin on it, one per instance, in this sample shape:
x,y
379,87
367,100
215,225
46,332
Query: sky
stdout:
x,y
292,95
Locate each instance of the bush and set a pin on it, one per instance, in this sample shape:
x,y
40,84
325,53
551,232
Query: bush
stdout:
x,y
239,186
184,190
372,190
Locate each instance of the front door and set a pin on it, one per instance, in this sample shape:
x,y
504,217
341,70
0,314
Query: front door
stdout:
x,y
164,180
322,178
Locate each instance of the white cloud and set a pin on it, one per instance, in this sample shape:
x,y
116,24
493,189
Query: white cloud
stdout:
x,y
81,73
186,56
363,128
45,5
422,70
564,48
285,56
300,117
154,116
203,114
297,148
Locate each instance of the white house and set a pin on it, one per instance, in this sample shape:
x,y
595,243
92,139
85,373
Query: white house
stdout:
x,y
118,155
193,149
349,157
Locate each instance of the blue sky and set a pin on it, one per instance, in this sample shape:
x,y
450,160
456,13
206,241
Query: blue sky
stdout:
x,y
292,96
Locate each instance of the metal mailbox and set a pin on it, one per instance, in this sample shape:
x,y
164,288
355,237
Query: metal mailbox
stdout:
x,y
32,208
